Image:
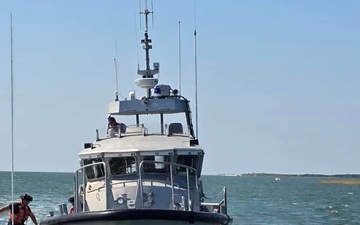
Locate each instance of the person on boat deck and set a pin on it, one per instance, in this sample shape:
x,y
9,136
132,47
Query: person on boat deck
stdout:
x,y
114,127
72,209
22,211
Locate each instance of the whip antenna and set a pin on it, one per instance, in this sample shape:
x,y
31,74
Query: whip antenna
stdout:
x,y
12,117
116,75
152,14
196,78
117,81
140,13
137,45
179,51
115,49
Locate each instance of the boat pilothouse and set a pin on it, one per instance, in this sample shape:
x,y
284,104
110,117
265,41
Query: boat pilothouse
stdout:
x,y
138,168
135,174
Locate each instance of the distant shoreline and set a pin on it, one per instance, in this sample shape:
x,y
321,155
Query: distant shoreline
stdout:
x,y
351,176
3,171
292,175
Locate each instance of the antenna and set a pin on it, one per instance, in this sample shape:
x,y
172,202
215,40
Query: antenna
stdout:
x,y
116,49
137,45
140,13
179,49
196,79
116,75
12,116
117,82
152,14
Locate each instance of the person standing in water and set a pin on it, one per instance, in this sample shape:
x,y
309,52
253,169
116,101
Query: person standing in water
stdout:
x,y
72,209
22,211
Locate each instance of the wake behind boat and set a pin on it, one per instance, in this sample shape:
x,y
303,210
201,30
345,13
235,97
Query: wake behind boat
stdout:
x,y
136,175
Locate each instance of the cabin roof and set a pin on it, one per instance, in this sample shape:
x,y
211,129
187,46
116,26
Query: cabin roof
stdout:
x,y
148,106
140,143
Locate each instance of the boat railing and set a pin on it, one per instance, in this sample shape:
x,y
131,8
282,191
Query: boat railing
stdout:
x,y
120,131
189,205
141,129
80,192
80,181
219,207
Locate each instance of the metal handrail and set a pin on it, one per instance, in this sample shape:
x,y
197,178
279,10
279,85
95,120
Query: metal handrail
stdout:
x,y
225,200
222,202
82,169
171,180
76,182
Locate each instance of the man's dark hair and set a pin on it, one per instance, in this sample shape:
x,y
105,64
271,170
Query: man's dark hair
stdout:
x,y
26,197
71,199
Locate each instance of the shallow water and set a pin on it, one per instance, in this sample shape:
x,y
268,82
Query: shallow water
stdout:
x,y
251,200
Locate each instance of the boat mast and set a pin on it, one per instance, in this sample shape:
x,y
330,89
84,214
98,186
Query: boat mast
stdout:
x,y
148,72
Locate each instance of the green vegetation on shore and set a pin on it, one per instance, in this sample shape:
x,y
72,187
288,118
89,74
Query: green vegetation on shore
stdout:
x,y
348,176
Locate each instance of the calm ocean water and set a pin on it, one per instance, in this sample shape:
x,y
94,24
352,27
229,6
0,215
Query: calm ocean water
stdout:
x,y
252,200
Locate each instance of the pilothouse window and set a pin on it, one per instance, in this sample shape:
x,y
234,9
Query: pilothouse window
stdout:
x,y
122,165
159,167
95,171
186,160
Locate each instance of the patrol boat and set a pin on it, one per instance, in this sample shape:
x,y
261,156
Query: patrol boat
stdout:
x,y
135,175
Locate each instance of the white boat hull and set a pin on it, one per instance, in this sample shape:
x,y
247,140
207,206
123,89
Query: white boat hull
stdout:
x,y
139,217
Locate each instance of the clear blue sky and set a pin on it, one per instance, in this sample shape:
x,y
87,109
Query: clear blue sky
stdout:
x,y
279,80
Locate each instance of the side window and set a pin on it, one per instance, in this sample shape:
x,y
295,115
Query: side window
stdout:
x,y
122,165
150,167
95,171
186,160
